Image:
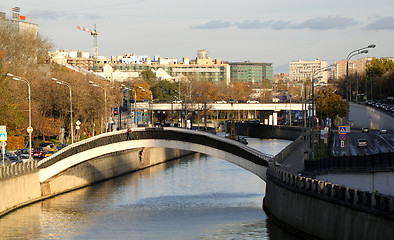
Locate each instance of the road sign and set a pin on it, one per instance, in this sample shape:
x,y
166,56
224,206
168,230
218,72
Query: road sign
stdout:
x,y
342,137
77,127
78,122
3,136
342,143
29,129
325,136
342,129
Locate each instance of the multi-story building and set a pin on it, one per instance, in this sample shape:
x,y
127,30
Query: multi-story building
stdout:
x,y
357,66
251,72
299,71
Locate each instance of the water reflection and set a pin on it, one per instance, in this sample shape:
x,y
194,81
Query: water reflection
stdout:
x,y
196,197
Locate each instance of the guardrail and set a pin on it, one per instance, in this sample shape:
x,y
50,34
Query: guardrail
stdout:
x,y
18,169
373,162
373,203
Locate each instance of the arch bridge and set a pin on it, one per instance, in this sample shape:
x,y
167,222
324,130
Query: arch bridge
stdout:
x,y
173,138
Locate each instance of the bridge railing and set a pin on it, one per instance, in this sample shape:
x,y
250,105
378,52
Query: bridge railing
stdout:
x,y
166,133
373,203
18,169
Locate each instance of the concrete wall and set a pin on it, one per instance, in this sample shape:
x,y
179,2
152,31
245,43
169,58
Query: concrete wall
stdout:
x,y
18,191
266,131
321,210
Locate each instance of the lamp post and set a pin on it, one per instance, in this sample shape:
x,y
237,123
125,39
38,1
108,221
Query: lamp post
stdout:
x,y
71,106
313,105
30,129
105,100
352,54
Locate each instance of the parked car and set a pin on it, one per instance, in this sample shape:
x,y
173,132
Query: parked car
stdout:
x,y
220,101
232,101
46,144
49,153
383,131
22,153
39,152
364,130
362,143
252,101
61,146
14,159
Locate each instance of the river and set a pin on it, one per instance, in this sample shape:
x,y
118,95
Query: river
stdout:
x,y
195,197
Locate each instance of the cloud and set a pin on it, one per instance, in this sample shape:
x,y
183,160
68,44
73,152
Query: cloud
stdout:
x,y
257,24
214,24
326,23
386,23
320,23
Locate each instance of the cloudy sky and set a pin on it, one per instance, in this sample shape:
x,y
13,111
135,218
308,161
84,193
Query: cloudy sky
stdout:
x,y
232,30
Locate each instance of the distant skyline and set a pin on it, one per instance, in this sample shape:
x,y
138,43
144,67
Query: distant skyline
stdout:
x,y
275,32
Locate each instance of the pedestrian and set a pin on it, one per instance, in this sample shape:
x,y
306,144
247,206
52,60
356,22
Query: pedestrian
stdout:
x,y
129,133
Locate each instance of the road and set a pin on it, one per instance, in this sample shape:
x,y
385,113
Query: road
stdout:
x,y
376,143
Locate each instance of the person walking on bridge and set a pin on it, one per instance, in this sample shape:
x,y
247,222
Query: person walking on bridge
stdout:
x,y
129,131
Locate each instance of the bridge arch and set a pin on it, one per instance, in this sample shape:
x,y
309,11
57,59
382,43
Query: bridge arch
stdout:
x,y
176,138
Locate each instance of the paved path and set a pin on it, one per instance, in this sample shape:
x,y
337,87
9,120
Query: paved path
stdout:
x,y
293,162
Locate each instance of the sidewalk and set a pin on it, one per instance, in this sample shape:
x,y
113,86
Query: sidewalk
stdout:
x,y
293,162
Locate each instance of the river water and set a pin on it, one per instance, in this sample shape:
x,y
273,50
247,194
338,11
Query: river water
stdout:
x,y
195,197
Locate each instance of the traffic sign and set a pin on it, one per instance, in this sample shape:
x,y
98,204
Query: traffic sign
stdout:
x,y
77,127
78,122
325,136
342,129
342,137
3,136
342,143
29,129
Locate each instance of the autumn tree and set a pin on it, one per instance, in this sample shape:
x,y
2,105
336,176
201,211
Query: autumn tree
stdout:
x,y
329,104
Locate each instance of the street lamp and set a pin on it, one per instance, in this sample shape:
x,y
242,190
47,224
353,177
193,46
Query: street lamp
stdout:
x,y
30,129
352,54
71,106
313,106
105,100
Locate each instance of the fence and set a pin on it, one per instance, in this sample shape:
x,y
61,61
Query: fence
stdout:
x,y
373,203
18,169
373,162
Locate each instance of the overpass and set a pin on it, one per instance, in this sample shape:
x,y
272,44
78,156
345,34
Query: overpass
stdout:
x,y
220,106
140,138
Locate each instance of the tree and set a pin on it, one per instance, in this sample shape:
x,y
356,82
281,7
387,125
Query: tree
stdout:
x,y
165,90
329,104
149,76
379,66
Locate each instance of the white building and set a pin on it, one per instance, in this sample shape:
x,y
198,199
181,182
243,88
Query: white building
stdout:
x,y
303,70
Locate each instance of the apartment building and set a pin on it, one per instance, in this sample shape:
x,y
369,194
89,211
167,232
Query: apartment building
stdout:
x,y
300,70
357,66
251,72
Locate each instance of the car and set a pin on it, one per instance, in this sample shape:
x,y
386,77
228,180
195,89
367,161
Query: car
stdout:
x,y
364,130
362,143
38,152
252,101
177,101
383,131
61,146
22,153
232,101
220,101
46,144
49,153
14,159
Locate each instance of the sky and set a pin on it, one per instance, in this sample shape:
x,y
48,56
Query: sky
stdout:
x,y
274,32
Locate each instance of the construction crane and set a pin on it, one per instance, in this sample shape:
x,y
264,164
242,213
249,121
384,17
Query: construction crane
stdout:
x,y
94,33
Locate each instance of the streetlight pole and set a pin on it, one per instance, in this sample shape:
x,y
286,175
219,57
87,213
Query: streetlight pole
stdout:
x,y
105,100
313,106
71,106
30,128
352,54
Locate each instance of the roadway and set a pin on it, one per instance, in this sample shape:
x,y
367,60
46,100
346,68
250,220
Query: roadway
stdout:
x,y
376,143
